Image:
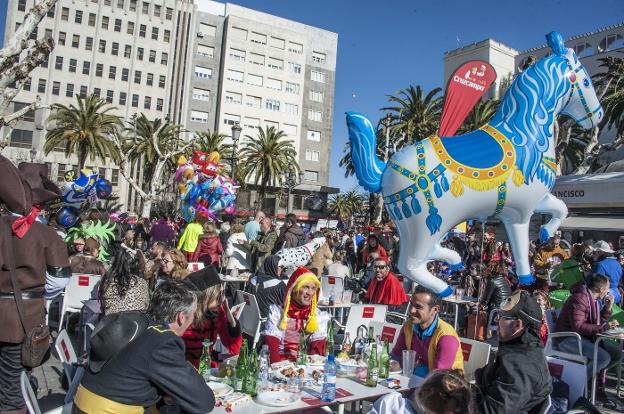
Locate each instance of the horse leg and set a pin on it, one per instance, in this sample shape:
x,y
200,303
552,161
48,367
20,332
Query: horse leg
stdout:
x,y
557,209
447,255
518,234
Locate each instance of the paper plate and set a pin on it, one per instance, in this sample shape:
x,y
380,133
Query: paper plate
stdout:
x,y
219,389
316,361
307,378
277,398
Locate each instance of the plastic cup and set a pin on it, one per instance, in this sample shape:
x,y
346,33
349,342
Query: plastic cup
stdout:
x,y
409,357
459,293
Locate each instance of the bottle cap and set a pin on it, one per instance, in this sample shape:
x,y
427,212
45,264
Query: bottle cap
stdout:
x,y
330,358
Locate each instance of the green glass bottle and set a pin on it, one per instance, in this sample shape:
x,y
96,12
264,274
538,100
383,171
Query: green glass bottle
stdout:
x,y
205,361
384,361
251,383
330,338
372,375
302,350
241,367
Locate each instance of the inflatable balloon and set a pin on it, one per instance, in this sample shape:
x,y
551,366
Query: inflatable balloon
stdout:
x,y
79,193
103,188
505,169
299,256
67,216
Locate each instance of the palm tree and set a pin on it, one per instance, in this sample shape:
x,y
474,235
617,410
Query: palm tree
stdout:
x,y
345,205
482,112
83,130
611,86
207,141
265,156
415,115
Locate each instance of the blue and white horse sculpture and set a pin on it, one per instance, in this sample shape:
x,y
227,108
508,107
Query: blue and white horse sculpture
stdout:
x,y
505,169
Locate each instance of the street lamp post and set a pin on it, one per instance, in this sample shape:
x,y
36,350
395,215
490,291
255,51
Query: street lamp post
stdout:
x,y
236,131
33,154
289,181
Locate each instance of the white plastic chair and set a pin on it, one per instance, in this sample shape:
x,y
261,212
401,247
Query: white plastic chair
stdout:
x,y
476,355
332,283
194,266
363,315
572,373
549,350
387,330
31,399
80,287
249,318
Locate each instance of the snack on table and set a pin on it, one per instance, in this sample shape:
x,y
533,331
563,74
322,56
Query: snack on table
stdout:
x,y
316,374
232,400
276,366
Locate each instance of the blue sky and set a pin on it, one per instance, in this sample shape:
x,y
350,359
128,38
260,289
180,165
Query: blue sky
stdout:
x,y
384,46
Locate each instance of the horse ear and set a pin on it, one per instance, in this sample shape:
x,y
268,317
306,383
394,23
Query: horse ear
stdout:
x,y
555,41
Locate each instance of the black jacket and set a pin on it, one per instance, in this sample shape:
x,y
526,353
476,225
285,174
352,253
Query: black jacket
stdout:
x,y
517,381
149,367
497,289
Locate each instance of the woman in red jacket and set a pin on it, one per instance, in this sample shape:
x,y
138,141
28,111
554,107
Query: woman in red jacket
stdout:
x,y
373,246
213,318
209,246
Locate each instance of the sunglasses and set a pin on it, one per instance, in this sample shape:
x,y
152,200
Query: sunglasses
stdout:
x,y
509,318
167,261
380,266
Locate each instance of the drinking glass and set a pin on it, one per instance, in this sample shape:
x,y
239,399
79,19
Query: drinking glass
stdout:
x,y
459,293
409,357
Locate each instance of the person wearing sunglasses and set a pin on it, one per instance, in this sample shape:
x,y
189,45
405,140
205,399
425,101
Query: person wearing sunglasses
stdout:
x,y
517,381
385,288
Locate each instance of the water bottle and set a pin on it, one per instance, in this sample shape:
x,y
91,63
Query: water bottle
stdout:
x,y
328,393
265,363
332,298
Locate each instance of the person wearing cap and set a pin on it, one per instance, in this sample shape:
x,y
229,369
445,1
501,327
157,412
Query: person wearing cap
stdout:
x,y
385,288
606,264
268,285
548,256
581,313
436,342
299,314
87,261
518,380
129,376
213,318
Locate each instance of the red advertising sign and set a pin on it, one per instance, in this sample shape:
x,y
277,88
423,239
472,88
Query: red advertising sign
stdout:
x,y
466,350
331,280
388,332
368,312
83,280
467,85
556,370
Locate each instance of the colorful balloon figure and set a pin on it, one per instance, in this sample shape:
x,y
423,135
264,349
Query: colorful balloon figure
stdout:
x,y
506,169
204,190
81,192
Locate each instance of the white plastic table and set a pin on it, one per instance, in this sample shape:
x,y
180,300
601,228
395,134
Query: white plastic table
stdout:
x,y
599,338
464,300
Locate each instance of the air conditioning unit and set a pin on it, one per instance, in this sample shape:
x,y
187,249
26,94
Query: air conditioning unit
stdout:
x,y
200,34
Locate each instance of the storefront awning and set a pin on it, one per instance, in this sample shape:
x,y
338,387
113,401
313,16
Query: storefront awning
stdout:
x,y
593,223
592,191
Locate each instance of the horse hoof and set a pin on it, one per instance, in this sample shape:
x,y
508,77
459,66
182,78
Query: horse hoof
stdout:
x,y
446,292
526,280
543,235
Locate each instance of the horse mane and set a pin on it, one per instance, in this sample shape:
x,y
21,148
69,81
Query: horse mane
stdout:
x,y
528,110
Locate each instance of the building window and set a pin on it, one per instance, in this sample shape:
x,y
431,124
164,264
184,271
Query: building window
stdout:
x,y
199,116
236,54
124,74
272,105
58,63
28,116
135,100
48,34
310,175
99,69
142,30
290,108
294,67
314,115
238,33
137,76
56,88
292,88
169,14
203,73
152,56
145,9
201,94
72,65
97,92
45,62
318,57
62,168
109,96
611,42
290,130
89,43
65,14
133,5
150,79
91,21
120,4
295,48
254,79
130,28
76,41
41,86
83,92
122,98
256,59
21,5
274,84
147,104
314,136
276,42
251,123
69,90
234,75
157,9
234,98
112,72
61,38
105,21
164,58
274,63
207,30
258,38
21,138
253,101
312,155
27,83
231,119
140,52
51,11
316,96
118,25
154,33
127,51
115,177
86,67
317,76
159,104
166,35
161,81
204,50
102,46
115,49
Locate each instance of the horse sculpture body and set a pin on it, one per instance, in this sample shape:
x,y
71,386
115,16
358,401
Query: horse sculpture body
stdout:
x,y
505,169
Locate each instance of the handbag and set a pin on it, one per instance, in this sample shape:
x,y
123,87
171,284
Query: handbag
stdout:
x,y
36,343
479,319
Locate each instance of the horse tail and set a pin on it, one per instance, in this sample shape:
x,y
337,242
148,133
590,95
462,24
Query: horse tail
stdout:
x,y
368,167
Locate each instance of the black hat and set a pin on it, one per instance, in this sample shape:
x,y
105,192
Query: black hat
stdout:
x,y
522,306
15,192
43,189
112,334
204,278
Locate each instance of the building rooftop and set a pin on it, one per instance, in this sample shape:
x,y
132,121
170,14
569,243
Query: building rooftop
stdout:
x,y
579,36
485,42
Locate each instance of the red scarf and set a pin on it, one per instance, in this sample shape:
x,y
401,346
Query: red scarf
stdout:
x,y
387,292
22,224
299,313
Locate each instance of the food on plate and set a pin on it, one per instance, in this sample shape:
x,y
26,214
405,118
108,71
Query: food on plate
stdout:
x,y
316,359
